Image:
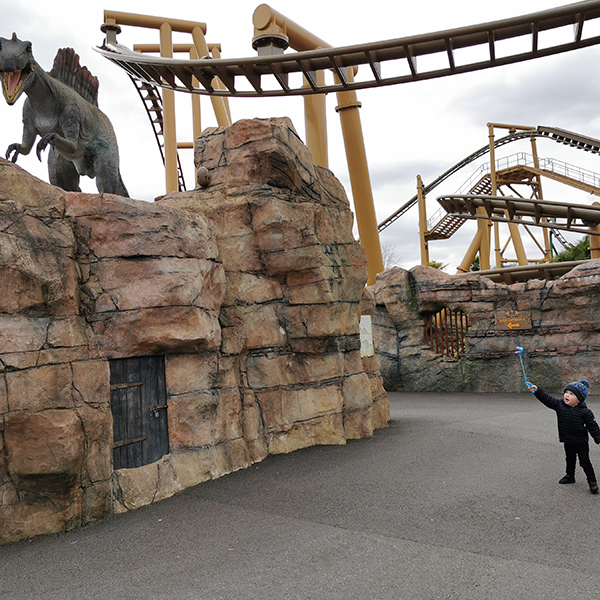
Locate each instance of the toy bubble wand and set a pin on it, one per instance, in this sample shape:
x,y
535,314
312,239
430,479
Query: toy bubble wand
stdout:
x,y
519,351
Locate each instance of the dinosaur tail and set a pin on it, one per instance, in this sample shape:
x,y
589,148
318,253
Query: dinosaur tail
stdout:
x,y
122,190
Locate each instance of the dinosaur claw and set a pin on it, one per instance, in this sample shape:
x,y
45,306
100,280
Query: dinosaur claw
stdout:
x,y
14,150
49,139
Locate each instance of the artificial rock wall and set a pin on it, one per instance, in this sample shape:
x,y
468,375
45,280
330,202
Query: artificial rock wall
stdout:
x,y
562,345
251,288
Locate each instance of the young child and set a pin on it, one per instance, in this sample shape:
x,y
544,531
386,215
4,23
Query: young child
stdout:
x,y
575,421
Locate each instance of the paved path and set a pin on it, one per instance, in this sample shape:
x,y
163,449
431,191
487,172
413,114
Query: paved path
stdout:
x,y
458,499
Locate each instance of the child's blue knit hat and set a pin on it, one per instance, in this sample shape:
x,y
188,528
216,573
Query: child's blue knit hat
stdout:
x,y
579,388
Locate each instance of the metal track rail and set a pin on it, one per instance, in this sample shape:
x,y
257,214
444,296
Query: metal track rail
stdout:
x,y
510,275
388,62
507,209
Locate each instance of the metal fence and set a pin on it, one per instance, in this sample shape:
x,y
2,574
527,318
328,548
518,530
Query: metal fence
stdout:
x,y
445,332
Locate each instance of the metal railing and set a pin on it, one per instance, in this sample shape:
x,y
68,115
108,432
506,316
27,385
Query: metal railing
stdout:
x,y
524,159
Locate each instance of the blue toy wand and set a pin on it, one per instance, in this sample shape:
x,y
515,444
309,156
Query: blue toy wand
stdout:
x,y
519,351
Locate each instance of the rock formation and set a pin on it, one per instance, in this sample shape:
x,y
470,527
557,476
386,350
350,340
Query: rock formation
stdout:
x,y
251,289
562,345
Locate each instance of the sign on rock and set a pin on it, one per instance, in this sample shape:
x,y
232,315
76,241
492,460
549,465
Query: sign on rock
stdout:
x,y
513,319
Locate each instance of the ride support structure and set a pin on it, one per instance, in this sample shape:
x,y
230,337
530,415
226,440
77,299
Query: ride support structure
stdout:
x,y
388,62
501,179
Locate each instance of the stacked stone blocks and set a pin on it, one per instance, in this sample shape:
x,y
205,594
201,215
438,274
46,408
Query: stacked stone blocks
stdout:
x,y
252,290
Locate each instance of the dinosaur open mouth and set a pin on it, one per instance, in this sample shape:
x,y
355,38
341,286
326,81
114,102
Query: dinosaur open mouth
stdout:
x,y
12,83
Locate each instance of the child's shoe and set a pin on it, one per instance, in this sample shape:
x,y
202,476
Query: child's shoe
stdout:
x,y
593,487
567,479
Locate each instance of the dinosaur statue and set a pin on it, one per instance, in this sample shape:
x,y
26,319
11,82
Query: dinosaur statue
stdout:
x,y
61,107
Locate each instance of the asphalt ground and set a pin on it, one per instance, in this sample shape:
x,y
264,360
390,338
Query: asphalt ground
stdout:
x,y
458,499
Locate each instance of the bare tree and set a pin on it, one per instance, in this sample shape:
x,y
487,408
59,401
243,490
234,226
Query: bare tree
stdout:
x,y
390,255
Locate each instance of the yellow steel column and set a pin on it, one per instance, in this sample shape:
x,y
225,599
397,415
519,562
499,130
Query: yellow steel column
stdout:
x,y
513,227
595,239
483,232
483,225
517,243
545,230
196,114
360,180
220,104
497,250
169,128
467,261
422,222
215,50
268,22
315,124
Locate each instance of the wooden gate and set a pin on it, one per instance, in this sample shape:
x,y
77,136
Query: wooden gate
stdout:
x,y
138,401
445,332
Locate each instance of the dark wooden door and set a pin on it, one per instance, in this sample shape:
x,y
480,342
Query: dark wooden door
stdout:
x,y
138,401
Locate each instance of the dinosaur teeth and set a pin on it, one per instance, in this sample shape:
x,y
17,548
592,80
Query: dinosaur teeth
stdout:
x,y
12,83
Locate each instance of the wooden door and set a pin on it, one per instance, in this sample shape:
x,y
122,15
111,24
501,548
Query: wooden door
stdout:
x,y
138,401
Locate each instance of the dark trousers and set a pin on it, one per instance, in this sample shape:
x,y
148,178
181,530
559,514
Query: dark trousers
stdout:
x,y
572,451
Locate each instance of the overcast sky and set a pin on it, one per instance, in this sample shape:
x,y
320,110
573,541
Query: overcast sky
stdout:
x,y
416,128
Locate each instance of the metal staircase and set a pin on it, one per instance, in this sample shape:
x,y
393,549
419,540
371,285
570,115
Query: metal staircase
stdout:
x,y
443,226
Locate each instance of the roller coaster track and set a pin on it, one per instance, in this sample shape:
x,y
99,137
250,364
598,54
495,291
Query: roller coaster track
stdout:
x,y
152,100
388,62
523,211
560,136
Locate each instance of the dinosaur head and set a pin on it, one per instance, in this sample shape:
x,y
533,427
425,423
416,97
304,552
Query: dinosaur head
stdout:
x,y
16,67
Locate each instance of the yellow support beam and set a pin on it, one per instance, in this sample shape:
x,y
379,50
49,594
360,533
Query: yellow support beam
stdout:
x,y
277,31
595,239
513,227
169,126
422,222
112,22
315,124
113,17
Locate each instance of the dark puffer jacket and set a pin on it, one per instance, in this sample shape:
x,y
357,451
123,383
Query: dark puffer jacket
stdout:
x,y
574,422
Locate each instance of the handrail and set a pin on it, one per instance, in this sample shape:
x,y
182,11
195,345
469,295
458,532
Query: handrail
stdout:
x,y
525,159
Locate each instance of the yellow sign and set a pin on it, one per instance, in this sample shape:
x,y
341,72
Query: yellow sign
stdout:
x,y
513,319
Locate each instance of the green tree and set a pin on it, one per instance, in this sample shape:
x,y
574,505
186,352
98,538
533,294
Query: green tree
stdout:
x,y
579,251
437,265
